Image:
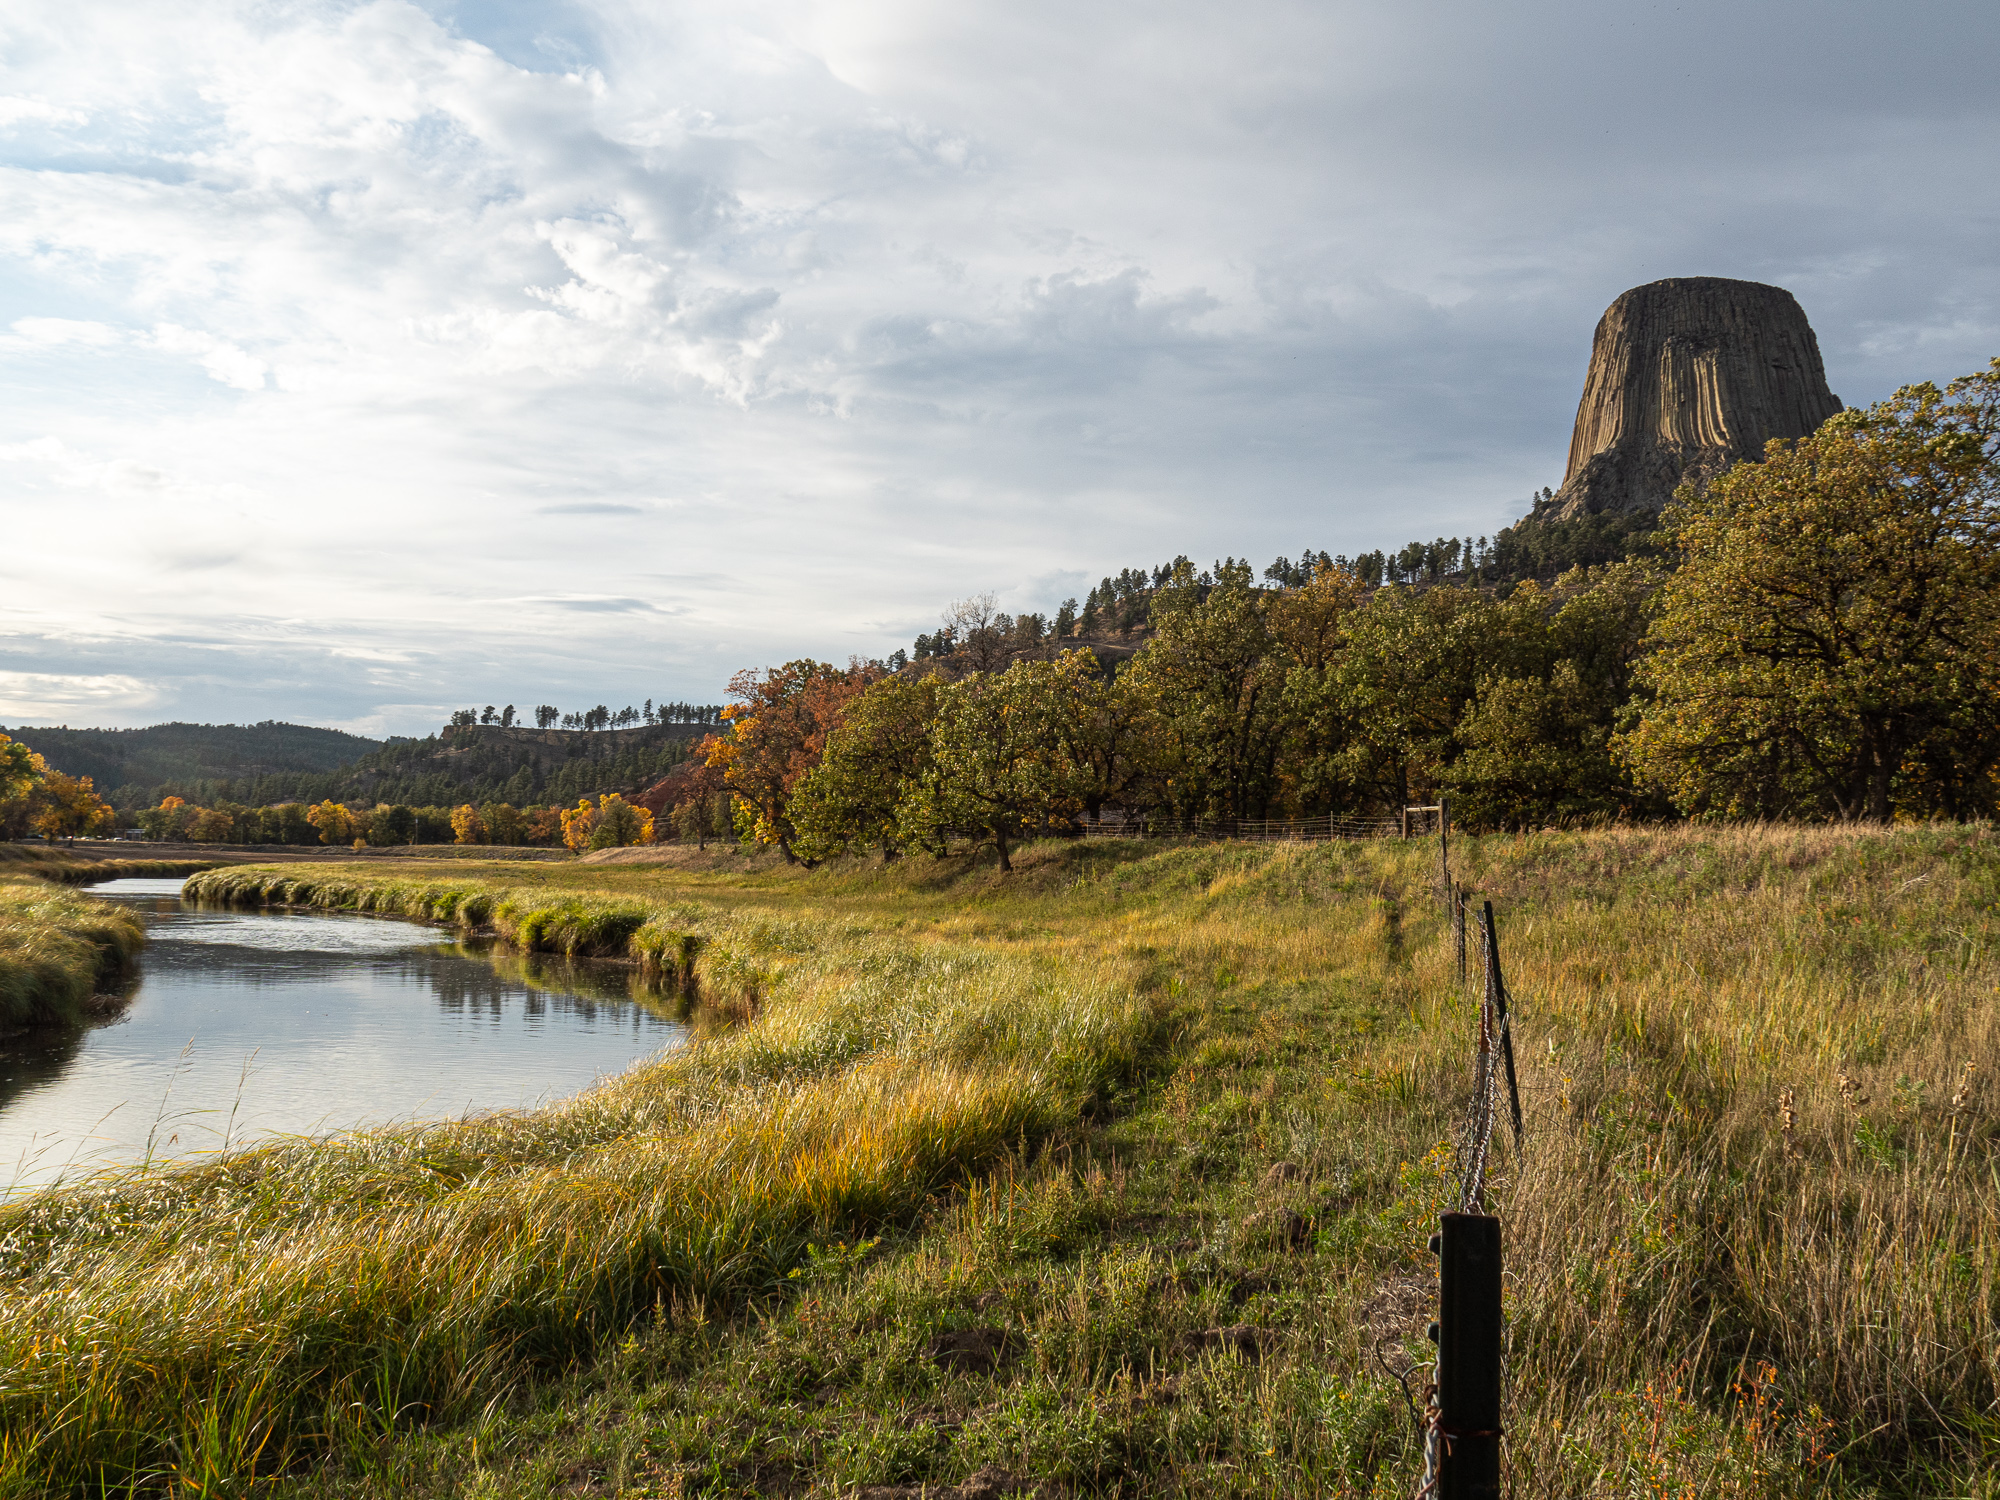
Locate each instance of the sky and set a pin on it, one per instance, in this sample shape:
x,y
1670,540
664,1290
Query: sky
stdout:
x,y
363,361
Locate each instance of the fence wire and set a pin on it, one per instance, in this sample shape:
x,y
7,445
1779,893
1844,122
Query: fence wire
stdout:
x,y
1493,1056
1255,830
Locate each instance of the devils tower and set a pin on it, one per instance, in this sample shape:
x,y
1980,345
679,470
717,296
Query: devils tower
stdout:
x,y
1687,376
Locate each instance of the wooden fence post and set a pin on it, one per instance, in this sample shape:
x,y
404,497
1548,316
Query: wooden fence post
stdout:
x,y
1469,1350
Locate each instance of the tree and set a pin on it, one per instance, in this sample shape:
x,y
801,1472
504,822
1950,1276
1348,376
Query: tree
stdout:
x,y
576,825
1830,645
212,826
1535,742
1119,738
465,825
391,824
334,822
1373,723
1210,668
21,770
1004,765
507,717
68,806
502,823
878,752
701,818
618,824
778,728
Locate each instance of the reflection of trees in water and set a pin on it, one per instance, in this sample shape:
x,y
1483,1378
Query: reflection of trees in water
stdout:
x,y
480,979
31,1058
35,1058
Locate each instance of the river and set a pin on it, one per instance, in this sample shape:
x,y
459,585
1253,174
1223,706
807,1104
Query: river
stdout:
x,y
243,1025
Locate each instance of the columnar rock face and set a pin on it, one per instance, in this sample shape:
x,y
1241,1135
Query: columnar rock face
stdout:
x,y
1686,377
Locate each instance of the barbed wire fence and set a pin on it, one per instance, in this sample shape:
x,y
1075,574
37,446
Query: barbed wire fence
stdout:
x,y
1462,1417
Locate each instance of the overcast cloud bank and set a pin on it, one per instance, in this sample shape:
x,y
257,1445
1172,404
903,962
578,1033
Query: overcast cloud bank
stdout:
x,y
365,360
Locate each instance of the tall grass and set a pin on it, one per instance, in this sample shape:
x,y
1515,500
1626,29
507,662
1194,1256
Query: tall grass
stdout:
x,y
56,949
223,1320
66,866
1753,1227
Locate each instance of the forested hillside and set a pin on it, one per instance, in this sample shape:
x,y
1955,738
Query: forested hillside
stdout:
x,y
135,767
485,763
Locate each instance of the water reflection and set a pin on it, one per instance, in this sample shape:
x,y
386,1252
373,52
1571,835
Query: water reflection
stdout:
x,y
244,1024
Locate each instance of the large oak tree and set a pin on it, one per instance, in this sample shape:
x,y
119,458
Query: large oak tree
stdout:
x,y
1830,645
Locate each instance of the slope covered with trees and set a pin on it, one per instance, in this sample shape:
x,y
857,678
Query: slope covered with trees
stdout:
x,y
132,766
1817,637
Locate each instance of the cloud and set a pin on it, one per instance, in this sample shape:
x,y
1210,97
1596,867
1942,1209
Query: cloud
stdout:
x,y
604,605
50,332
221,359
14,111
45,695
322,306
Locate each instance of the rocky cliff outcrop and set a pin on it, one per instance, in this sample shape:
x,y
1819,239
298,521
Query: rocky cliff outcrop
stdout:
x,y
1687,376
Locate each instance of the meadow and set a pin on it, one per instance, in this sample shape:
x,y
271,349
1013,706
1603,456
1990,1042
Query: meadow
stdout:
x,y
1111,1176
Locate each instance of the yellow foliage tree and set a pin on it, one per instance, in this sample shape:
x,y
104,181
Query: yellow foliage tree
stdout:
x,y
334,822
20,769
577,823
618,823
70,806
466,826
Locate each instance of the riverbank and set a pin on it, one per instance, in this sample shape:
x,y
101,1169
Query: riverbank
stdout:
x,y
61,953
1113,1174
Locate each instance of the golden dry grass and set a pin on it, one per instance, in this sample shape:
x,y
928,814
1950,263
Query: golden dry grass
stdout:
x,y
1704,1298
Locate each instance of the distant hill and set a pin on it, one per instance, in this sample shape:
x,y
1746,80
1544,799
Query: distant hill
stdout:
x,y
485,763
260,765
128,765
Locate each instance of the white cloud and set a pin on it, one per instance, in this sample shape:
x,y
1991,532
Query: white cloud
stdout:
x,y
58,331
758,329
47,695
222,359
14,111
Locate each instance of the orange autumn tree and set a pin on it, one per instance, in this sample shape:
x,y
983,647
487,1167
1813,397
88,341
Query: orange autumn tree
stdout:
x,y
466,825
577,823
778,728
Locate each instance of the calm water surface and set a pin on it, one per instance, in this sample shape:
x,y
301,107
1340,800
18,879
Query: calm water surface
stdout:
x,y
247,1024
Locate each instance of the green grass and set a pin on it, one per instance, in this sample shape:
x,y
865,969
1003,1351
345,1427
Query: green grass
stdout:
x,y
1114,1174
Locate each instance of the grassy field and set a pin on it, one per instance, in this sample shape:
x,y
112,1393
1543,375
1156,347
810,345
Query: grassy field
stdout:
x,y
1112,1176
58,951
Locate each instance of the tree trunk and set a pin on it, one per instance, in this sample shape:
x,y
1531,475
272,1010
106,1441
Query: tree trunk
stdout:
x,y
1000,843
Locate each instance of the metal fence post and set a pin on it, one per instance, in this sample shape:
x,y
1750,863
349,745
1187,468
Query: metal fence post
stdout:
x,y
1469,1350
1496,987
1458,924
1444,852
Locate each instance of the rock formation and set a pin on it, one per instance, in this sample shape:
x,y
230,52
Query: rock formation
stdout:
x,y
1686,377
